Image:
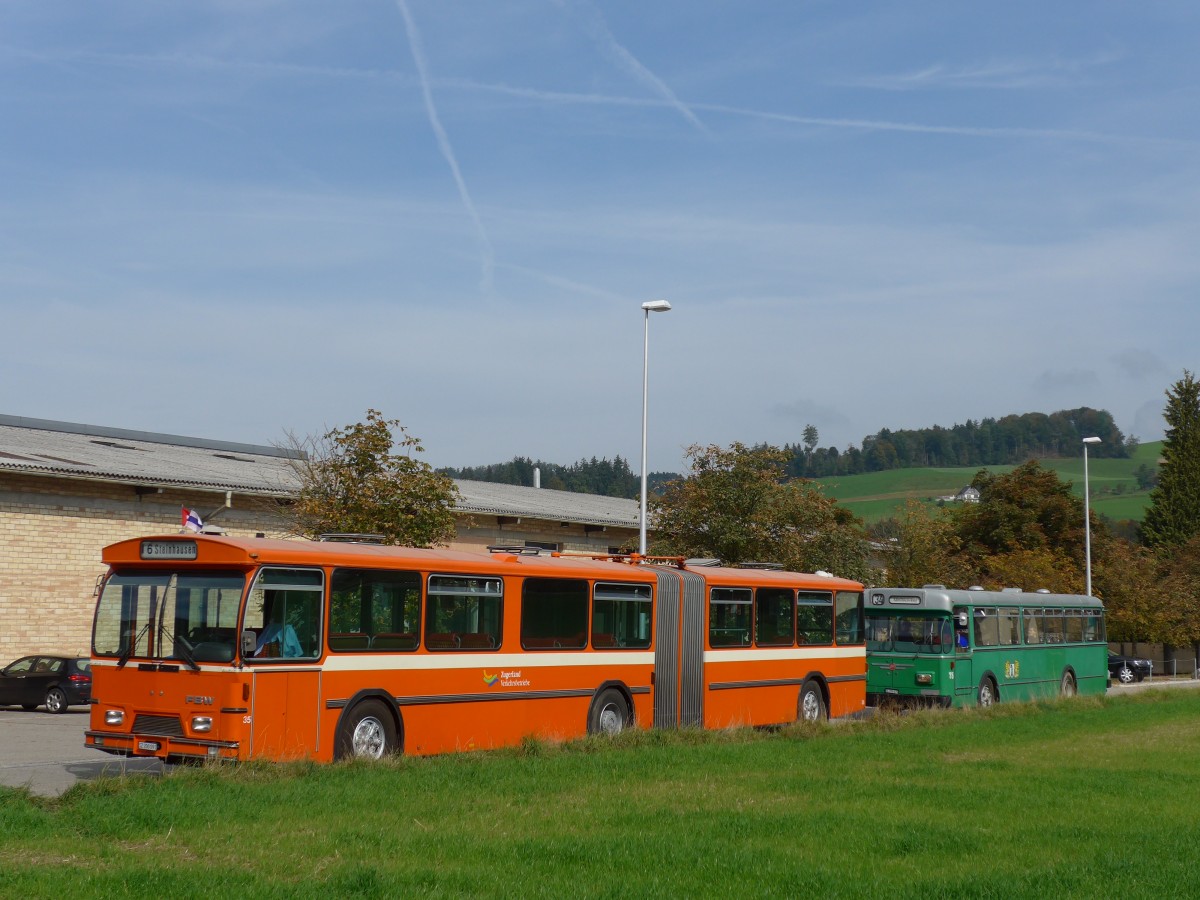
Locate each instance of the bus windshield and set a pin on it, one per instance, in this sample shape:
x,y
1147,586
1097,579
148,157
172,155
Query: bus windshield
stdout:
x,y
916,632
187,616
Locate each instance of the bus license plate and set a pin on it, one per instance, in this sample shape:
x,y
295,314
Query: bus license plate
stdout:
x,y
147,745
891,691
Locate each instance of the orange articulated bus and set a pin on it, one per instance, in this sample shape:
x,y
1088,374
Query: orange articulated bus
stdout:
x,y
213,647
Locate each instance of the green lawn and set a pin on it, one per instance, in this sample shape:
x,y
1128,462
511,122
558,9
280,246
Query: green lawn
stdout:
x,y
1091,797
881,495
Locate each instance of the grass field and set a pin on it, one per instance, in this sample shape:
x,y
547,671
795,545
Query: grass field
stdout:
x,y
881,495
1090,797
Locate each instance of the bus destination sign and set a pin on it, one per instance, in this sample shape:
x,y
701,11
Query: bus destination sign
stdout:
x,y
168,549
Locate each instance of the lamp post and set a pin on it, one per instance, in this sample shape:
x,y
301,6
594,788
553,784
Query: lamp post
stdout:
x,y
648,307
1087,516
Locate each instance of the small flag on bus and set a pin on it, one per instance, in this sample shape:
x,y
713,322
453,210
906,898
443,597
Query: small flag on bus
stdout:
x,y
191,520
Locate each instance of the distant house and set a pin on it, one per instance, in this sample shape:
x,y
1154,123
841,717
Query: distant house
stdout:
x,y
966,495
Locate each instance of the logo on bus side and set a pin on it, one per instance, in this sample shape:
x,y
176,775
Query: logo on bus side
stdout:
x,y
1012,669
199,701
505,679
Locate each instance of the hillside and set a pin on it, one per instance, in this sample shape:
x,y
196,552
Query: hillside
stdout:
x,y
880,495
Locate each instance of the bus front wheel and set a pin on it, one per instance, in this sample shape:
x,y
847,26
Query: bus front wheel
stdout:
x,y
1067,687
368,732
811,707
610,714
987,692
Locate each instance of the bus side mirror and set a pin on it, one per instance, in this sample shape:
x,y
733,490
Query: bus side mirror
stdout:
x,y
249,642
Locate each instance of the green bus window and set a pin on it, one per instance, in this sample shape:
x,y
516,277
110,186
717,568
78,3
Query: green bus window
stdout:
x,y
774,617
814,617
1009,627
1034,633
1053,621
848,614
1093,626
1073,622
374,610
987,627
621,616
463,612
729,617
554,613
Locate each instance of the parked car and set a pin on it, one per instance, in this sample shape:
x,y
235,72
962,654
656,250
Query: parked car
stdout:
x,y
1128,669
56,681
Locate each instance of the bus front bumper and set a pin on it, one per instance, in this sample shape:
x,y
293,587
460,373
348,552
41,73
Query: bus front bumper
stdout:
x,y
164,747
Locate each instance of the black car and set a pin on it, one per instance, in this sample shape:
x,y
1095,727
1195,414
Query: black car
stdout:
x,y
57,681
1128,669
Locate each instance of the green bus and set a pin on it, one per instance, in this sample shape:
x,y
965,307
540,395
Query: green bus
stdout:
x,y
932,646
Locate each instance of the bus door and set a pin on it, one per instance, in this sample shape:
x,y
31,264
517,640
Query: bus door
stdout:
x,y
281,645
964,675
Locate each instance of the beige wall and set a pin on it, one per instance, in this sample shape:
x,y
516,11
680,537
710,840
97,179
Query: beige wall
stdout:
x,y
52,531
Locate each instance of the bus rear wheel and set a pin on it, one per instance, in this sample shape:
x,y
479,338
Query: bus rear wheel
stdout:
x,y
368,732
1067,687
610,714
811,706
987,692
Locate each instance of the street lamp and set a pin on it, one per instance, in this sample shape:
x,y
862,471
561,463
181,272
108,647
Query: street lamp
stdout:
x,y
1087,516
648,307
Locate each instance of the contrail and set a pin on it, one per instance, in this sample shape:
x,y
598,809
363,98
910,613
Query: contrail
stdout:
x,y
629,62
488,262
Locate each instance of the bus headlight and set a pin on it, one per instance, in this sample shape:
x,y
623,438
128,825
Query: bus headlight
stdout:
x,y
202,724
114,717
924,678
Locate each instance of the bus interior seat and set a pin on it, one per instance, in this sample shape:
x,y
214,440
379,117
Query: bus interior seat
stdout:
x,y
480,641
349,641
394,641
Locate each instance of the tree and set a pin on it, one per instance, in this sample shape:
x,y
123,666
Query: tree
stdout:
x,y
352,481
1174,514
811,437
924,549
737,504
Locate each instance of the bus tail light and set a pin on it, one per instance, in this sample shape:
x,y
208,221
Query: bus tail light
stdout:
x,y
114,717
924,678
202,724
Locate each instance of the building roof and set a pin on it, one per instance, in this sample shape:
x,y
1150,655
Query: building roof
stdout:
x,y
98,453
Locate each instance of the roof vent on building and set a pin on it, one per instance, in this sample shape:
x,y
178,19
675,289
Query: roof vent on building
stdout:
x,y
772,566
934,587
705,561
975,587
352,538
116,446
234,458
1042,591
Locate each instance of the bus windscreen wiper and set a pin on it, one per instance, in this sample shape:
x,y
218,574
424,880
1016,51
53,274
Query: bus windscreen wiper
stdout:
x,y
128,651
180,649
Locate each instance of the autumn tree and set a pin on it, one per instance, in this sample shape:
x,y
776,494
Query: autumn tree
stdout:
x,y
921,548
738,505
365,479
1174,514
1026,531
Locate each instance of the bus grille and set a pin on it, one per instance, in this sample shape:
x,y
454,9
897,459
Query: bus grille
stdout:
x,y
161,726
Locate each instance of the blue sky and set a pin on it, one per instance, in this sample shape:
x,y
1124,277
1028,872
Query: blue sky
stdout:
x,y
236,218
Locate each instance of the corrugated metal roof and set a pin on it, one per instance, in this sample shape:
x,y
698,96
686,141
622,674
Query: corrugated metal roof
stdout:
x,y
68,450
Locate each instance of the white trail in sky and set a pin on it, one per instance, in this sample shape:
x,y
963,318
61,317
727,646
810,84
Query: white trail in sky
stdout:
x,y
488,262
